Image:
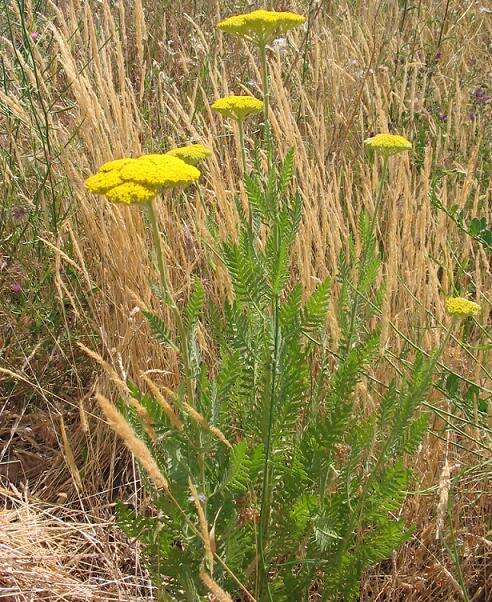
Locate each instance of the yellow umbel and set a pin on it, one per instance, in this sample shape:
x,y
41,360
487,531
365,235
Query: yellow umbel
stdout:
x,y
261,26
459,306
237,107
139,180
388,144
191,154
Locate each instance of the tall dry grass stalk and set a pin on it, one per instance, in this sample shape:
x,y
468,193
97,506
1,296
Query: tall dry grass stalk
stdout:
x,y
111,82
134,443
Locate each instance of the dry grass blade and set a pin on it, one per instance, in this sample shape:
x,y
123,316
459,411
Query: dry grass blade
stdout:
x,y
214,588
44,550
168,409
134,444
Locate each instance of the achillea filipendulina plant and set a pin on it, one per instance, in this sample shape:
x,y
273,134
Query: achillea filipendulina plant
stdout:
x,y
388,144
238,108
140,180
253,445
262,27
266,458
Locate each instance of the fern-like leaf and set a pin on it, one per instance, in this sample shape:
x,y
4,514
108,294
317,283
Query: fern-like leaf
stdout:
x,y
316,308
194,306
236,478
159,329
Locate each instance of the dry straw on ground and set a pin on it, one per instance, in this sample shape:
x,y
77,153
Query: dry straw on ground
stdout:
x,y
104,80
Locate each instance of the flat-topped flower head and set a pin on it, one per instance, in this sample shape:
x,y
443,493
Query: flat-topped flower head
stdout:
x,y
388,144
139,180
261,26
459,306
237,107
115,164
191,154
161,171
131,192
103,181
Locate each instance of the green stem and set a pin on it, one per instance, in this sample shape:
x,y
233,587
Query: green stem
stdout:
x,y
240,125
183,339
267,469
158,251
266,101
267,476
364,253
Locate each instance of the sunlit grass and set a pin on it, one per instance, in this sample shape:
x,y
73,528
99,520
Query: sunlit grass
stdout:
x,y
83,84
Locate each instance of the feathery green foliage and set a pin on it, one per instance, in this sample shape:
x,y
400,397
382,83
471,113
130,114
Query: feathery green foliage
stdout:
x,y
308,490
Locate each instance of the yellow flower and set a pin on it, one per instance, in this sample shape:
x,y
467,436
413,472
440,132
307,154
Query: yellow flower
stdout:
x,y
116,164
191,154
139,180
459,306
131,192
261,26
237,107
103,181
388,144
160,171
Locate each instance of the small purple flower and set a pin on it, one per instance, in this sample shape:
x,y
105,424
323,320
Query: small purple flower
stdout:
x,y
34,36
472,116
15,288
480,96
443,117
18,213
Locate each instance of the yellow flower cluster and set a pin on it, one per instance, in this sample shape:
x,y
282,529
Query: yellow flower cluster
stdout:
x,y
261,26
191,154
115,164
237,107
139,180
459,306
388,144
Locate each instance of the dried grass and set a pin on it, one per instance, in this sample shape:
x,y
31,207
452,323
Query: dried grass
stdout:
x,y
48,553
111,86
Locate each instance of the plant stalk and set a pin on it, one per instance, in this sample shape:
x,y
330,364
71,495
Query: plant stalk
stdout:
x,y
156,238
266,102
169,298
364,252
267,476
240,125
267,470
